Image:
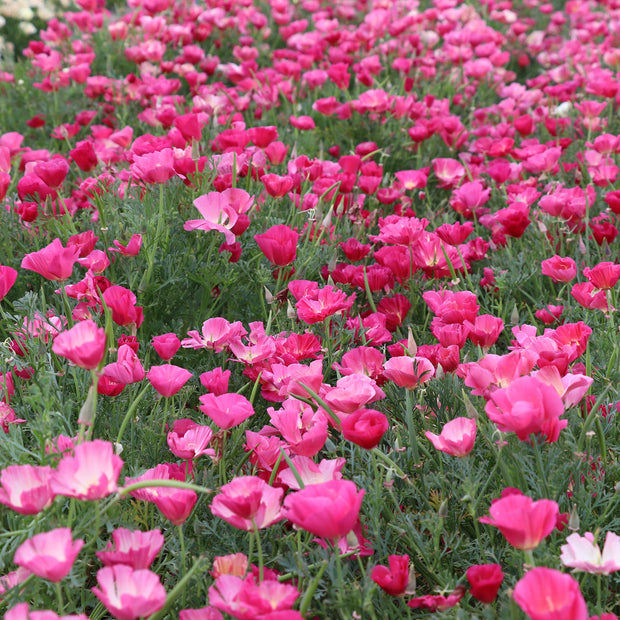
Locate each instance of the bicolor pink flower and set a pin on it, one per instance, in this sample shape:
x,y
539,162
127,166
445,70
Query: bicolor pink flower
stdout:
x,y
217,334
155,167
548,594
84,344
522,521
559,269
329,510
581,553
49,555
247,600
248,502
91,474
23,612
311,472
217,214
189,440
408,372
133,548
168,379
53,262
457,437
26,488
129,594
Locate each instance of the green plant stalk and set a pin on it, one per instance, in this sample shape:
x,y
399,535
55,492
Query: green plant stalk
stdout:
x,y
183,566
130,413
259,549
411,429
175,484
307,599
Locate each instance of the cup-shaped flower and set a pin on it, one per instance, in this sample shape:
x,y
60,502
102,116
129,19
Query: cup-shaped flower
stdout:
x,y
23,612
54,262
278,244
485,580
168,379
189,440
166,345
8,275
26,488
248,503
527,406
582,553
226,410
204,613
132,548
329,509
92,473
457,437
395,579
129,594
84,344
522,521
365,427
548,594
49,555
408,372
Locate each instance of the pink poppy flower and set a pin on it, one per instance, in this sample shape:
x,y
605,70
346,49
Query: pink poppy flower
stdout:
x,y
23,612
155,167
457,437
485,580
84,344
133,548
168,379
278,244
522,521
129,594
49,555
53,262
189,440
248,502
559,269
247,600
166,345
91,474
408,372
365,427
131,249
227,410
26,488
436,602
204,613
217,214
581,553
122,302
395,579
8,275
548,594
329,510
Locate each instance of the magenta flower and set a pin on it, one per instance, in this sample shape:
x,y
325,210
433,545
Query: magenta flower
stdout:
x,y
522,521
457,437
84,344
49,555
53,262
166,345
581,553
248,502
329,510
129,594
168,379
395,579
227,410
8,275
278,244
548,594
89,475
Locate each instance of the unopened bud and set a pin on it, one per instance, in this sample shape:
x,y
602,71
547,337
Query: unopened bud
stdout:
x,y
442,513
573,519
269,298
290,311
412,346
87,412
514,316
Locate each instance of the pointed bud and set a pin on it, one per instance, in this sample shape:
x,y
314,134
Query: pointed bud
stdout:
x,y
269,298
412,347
290,311
472,412
514,316
573,519
442,513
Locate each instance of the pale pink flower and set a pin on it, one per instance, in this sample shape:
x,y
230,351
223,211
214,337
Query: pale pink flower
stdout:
x,y
26,488
129,594
89,475
310,472
217,214
581,553
49,555
132,548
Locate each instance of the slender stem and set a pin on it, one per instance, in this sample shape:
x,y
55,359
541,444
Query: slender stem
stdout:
x,y
307,599
61,603
175,484
130,412
259,548
411,429
541,470
183,566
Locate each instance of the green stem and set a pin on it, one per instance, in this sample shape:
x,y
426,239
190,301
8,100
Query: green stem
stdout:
x,y
183,566
175,484
259,548
307,599
541,470
411,429
130,413
61,604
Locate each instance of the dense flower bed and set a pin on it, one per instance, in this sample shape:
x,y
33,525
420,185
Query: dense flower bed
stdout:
x,y
308,310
